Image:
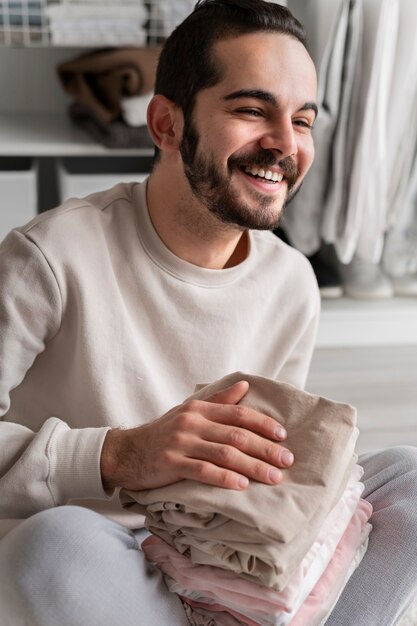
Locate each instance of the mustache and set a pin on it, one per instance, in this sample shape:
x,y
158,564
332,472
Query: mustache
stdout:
x,y
266,159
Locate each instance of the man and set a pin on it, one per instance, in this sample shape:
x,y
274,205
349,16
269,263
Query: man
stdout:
x,y
114,306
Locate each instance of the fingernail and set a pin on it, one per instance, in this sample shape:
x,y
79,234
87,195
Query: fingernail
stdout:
x,y
243,482
280,432
287,457
274,475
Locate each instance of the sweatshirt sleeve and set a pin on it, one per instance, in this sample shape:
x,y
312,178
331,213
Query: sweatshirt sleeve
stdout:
x,y
46,468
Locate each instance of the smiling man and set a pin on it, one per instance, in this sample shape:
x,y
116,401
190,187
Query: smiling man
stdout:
x,y
237,152
114,306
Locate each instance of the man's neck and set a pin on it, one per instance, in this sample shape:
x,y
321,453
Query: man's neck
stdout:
x,y
187,228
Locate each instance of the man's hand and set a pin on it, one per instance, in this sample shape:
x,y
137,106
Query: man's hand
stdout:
x,y
214,441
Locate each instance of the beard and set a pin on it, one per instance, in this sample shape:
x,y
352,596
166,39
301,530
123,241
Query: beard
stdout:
x,y
214,189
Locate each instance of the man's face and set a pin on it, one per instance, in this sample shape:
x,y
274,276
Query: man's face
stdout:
x,y
249,145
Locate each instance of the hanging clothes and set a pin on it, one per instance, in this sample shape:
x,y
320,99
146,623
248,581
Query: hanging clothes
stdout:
x,y
344,139
362,184
400,251
367,205
303,217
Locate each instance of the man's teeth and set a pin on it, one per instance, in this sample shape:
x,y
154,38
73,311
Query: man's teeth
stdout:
x,y
267,174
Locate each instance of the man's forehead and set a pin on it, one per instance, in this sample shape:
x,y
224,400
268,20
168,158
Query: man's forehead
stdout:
x,y
265,60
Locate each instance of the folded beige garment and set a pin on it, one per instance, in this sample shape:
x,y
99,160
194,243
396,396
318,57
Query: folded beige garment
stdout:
x,y
261,533
100,79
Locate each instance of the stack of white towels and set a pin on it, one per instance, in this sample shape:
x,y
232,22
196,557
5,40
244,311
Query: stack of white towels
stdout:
x,y
97,23
269,555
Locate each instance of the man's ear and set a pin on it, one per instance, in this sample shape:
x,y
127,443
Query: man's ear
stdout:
x,y
165,123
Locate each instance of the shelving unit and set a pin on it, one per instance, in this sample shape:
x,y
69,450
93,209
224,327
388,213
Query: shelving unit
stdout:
x,y
50,134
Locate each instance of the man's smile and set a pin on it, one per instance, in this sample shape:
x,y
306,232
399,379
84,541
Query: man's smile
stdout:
x,y
266,174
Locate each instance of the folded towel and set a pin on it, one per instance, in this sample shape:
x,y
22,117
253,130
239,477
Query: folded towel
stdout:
x,y
64,11
94,33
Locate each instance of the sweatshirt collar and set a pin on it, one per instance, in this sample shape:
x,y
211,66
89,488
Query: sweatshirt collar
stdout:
x,y
174,265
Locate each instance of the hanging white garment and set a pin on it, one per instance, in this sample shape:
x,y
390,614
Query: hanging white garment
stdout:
x,y
400,251
367,204
303,217
402,121
344,140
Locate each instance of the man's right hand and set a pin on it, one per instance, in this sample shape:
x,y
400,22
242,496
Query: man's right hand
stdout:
x,y
215,441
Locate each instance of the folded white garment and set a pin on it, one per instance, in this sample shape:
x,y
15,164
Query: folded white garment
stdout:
x,y
167,15
114,33
134,109
320,603
103,2
64,11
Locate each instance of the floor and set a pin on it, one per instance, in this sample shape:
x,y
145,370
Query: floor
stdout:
x,y
380,381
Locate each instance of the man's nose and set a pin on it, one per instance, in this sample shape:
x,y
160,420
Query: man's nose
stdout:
x,y
280,137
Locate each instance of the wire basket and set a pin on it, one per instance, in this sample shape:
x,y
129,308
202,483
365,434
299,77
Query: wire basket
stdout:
x,y
23,23
89,23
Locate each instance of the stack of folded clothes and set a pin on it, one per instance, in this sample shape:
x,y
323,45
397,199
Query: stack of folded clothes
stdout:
x,y
273,554
101,84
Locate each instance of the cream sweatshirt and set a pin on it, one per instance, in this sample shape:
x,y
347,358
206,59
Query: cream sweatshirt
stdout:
x,y
101,326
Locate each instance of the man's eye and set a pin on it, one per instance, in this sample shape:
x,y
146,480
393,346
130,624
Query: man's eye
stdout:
x,y
303,124
252,112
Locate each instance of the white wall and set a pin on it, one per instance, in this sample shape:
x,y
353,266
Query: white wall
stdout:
x,y
29,81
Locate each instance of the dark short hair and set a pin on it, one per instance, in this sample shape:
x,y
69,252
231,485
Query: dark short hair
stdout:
x,y
186,65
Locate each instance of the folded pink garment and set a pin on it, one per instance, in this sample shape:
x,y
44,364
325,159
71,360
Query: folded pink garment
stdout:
x,y
328,589
228,588
321,600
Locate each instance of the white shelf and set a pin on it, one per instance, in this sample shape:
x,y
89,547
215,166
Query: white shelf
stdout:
x,y
51,135
351,323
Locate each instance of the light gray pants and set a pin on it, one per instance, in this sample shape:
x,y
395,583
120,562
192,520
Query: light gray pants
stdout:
x,y
71,567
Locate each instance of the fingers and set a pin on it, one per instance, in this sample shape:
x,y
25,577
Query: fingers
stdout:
x,y
255,458
226,444
231,395
228,439
232,470
210,474
236,415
